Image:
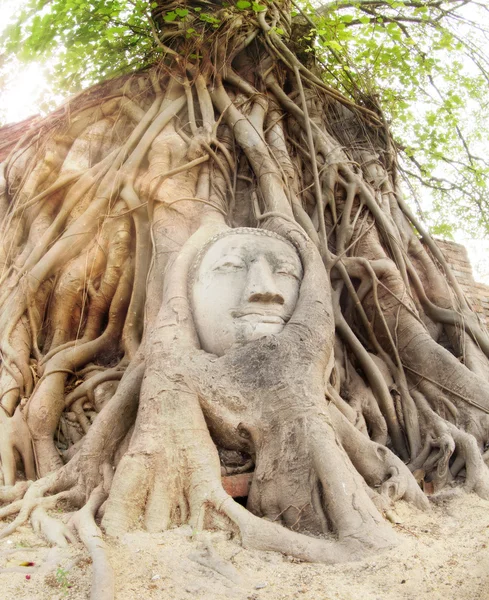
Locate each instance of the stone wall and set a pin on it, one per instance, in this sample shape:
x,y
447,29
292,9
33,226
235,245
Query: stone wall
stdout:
x,y
477,293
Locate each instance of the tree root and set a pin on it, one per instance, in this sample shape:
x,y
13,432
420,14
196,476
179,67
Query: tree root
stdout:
x,y
34,506
15,492
15,437
33,498
380,468
83,521
53,530
448,438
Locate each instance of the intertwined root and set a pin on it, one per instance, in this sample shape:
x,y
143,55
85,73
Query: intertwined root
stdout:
x,y
201,501
34,506
299,466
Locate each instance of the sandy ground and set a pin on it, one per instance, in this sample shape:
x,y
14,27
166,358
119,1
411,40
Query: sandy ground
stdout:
x,y
443,555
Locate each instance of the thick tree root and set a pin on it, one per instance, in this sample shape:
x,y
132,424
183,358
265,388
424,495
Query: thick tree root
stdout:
x,y
261,534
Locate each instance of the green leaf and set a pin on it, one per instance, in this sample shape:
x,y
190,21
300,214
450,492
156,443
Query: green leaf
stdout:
x,y
335,45
208,18
243,4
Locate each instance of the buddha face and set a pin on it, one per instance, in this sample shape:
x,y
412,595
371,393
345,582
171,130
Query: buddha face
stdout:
x,y
245,287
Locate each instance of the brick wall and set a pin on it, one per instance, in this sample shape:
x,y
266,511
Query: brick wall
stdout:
x,y
477,293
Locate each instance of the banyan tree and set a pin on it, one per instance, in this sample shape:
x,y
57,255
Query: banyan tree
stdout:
x,y
208,267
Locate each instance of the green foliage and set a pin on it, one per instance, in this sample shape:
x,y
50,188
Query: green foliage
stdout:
x,y
89,40
422,64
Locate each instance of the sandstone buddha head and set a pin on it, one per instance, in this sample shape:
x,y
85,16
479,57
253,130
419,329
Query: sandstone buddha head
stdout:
x,y
244,286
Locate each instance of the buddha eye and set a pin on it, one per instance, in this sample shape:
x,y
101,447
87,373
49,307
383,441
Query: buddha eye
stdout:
x,y
229,265
287,272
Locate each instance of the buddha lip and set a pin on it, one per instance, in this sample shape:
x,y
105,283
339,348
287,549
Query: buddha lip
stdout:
x,y
265,316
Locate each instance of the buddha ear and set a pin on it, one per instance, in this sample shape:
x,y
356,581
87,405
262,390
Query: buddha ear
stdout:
x,y
175,308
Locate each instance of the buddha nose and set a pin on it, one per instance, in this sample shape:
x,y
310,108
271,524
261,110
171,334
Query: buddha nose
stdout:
x,y
260,284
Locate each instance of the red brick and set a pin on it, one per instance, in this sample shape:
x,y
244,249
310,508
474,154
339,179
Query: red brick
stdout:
x,y
237,486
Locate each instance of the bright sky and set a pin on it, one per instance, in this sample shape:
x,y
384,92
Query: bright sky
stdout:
x,y
25,91
22,96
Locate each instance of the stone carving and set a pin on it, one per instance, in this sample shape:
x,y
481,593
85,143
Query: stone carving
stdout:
x,y
245,286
